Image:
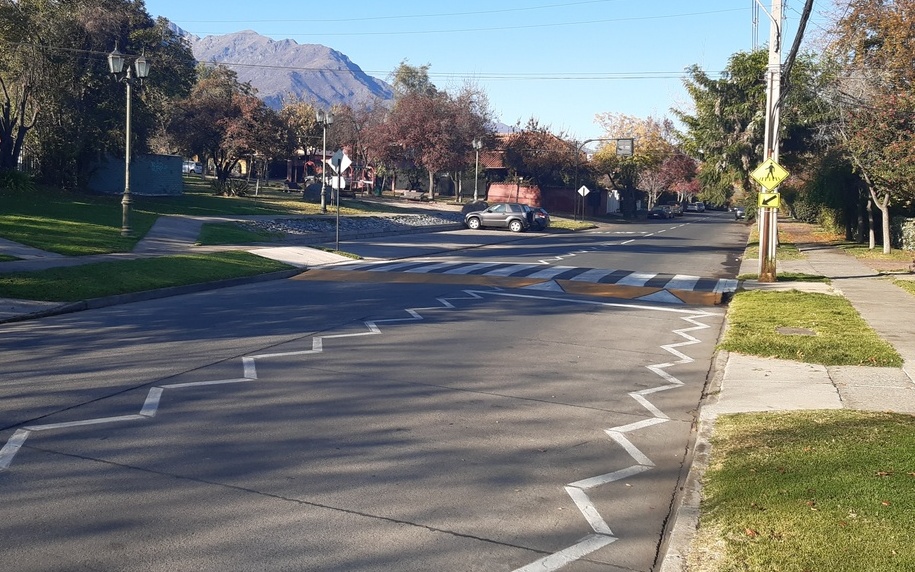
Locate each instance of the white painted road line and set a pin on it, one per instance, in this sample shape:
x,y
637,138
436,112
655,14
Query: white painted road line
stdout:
x,y
568,555
636,279
584,504
12,447
682,282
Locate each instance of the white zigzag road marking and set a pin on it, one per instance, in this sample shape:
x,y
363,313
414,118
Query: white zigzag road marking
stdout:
x,y
603,534
576,490
568,555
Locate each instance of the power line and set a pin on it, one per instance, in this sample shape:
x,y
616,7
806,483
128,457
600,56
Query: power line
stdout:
x,y
407,16
363,33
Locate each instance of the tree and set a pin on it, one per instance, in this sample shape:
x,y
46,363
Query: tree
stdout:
x,y
300,124
726,125
431,129
412,80
224,121
677,174
19,108
59,102
874,45
652,145
539,155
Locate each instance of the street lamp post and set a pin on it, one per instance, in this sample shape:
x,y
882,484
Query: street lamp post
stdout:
x,y
325,118
477,145
116,66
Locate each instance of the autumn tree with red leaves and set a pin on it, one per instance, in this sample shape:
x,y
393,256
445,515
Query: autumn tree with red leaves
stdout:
x,y
874,44
224,121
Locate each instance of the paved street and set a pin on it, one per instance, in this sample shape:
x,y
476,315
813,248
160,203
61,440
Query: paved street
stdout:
x,y
326,425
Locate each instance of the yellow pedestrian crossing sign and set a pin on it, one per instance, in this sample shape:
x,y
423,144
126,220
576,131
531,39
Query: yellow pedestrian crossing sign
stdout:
x,y
770,174
768,200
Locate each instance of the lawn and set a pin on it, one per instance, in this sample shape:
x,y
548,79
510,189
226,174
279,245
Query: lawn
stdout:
x,y
77,224
809,491
74,283
907,285
840,335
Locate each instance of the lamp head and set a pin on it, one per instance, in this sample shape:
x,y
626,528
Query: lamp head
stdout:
x,y
115,61
142,67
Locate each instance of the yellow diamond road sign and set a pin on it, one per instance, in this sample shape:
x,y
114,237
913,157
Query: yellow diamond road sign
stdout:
x,y
770,174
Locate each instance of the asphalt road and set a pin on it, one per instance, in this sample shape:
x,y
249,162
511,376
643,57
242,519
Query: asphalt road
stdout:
x,y
312,425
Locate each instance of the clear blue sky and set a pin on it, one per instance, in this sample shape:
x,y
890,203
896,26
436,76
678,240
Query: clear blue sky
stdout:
x,y
560,61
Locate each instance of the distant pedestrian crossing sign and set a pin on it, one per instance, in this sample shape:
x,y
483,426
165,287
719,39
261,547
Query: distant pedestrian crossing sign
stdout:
x,y
770,174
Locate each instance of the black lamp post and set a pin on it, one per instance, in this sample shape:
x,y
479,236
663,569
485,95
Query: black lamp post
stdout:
x,y
325,118
116,66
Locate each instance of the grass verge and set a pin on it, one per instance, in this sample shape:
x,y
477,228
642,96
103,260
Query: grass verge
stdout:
x,y
907,285
79,224
841,337
785,250
807,491
902,257
71,284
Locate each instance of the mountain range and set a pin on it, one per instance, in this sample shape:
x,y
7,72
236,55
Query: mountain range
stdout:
x,y
285,68
279,69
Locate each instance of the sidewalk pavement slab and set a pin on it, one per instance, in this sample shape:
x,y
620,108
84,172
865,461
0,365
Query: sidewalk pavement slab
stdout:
x,y
874,388
762,384
24,252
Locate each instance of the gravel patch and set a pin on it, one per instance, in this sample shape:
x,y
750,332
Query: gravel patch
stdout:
x,y
327,224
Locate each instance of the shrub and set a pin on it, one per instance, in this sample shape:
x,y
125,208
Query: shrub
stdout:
x,y
902,231
830,219
806,211
16,182
230,187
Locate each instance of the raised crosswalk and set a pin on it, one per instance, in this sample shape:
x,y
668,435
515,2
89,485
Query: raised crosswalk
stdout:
x,y
551,272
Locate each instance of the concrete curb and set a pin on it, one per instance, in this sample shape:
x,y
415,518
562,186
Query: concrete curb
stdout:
x,y
685,520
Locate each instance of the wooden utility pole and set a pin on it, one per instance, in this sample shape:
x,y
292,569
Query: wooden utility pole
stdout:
x,y
768,217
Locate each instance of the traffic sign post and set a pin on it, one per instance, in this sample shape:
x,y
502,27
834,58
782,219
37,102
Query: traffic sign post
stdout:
x,y
339,162
769,175
583,192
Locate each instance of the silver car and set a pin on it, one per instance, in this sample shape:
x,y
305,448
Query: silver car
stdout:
x,y
514,216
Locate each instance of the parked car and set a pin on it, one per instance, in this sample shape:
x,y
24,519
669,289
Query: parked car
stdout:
x,y
192,167
676,208
540,219
739,213
697,207
660,211
514,216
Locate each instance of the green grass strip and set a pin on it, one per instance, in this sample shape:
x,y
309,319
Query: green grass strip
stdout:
x,y
808,491
71,284
842,336
907,285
